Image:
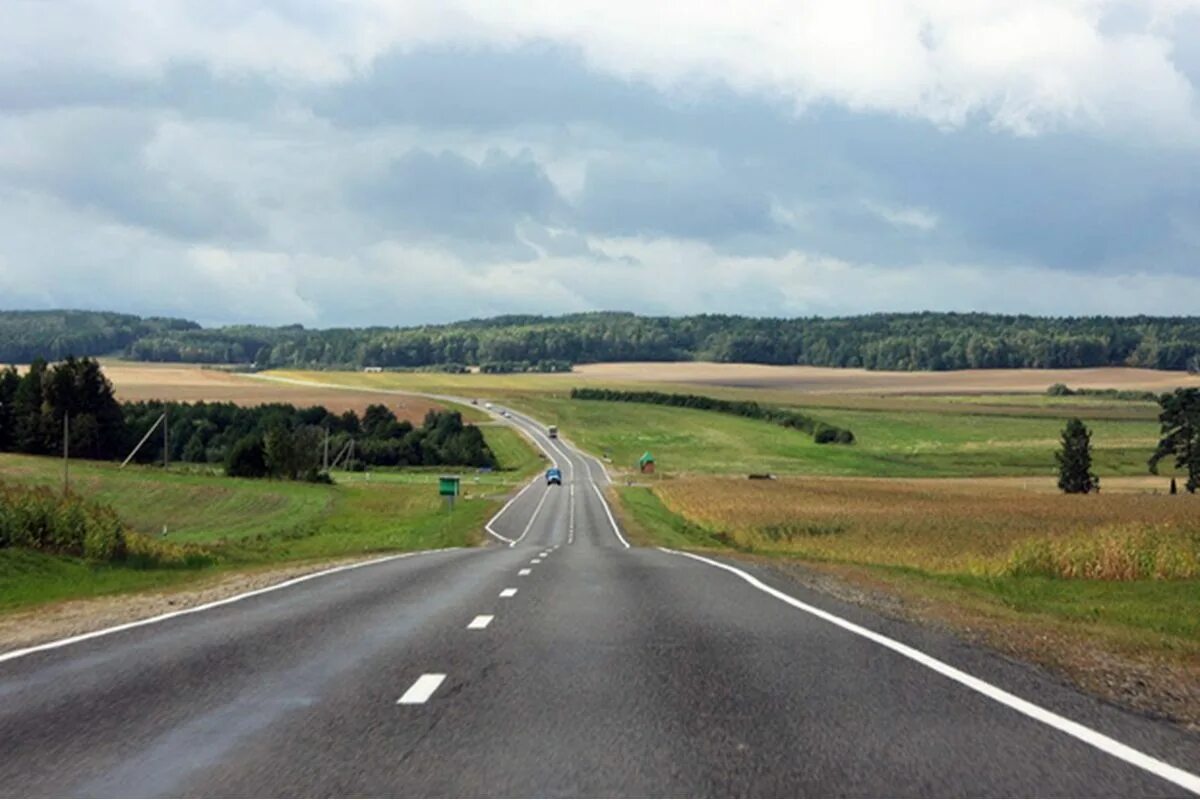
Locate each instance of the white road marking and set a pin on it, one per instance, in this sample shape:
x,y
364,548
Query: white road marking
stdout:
x,y
532,517
524,572
543,555
488,525
616,528
1083,733
480,622
83,637
535,561
422,690
571,516
508,592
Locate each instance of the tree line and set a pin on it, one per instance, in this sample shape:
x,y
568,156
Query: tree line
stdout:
x,y
272,440
821,432
922,341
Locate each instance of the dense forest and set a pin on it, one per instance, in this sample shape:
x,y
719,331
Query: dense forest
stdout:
x,y
925,341
274,440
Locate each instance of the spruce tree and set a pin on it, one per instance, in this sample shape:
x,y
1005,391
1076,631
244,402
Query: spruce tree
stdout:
x,y
1075,474
1180,423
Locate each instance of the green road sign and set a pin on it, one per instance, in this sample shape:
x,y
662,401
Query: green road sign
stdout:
x,y
448,485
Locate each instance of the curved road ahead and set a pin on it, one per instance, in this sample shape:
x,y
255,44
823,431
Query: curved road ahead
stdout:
x,y
564,664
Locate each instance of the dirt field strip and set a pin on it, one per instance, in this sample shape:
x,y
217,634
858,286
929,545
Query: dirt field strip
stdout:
x,y
841,380
191,384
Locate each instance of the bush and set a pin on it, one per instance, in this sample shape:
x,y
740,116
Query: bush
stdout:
x,y
247,458
40,519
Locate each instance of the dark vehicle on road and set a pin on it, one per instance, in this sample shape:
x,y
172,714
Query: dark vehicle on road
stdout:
x,y
554,477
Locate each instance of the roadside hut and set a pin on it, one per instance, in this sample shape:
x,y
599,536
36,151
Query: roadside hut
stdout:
x,y
646,463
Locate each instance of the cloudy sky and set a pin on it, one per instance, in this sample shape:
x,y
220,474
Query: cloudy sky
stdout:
x,y
355,162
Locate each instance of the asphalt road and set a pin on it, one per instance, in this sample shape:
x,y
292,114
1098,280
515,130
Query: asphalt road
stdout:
x,y
610,671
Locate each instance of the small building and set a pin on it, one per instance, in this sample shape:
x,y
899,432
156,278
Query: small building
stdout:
x,y
646,463
372,369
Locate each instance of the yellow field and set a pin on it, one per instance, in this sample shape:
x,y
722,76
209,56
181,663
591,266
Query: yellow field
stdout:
x,y
852,381
190,383
989,526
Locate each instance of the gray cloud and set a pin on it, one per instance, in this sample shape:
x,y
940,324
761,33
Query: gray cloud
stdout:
x,y
537,176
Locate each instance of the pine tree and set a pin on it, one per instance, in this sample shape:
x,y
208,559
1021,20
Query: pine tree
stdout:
x,y
1180,422
1075,474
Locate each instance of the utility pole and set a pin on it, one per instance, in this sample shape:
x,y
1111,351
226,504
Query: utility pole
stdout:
x,y
166,439
325,457
66,452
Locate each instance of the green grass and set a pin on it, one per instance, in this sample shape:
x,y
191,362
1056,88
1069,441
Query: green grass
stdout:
x,y
889,444
513,451
249,523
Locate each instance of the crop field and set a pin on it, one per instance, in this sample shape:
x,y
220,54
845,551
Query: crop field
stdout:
x,y
845,381
976,527
187,383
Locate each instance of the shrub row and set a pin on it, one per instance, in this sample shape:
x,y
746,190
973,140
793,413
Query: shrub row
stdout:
x,y
822,432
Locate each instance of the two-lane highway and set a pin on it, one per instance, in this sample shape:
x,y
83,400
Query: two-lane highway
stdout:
x,y
558,661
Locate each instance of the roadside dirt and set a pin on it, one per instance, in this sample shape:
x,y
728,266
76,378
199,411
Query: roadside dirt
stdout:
x,y
1136,681
71,618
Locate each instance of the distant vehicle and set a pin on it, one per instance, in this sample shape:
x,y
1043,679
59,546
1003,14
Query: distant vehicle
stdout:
x,y
474,402
552,431
554,477
487,405
505,413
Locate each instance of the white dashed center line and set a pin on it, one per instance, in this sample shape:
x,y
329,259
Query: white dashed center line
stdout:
x,y
508,592
524,572
480,622
535,561
422,690
542,555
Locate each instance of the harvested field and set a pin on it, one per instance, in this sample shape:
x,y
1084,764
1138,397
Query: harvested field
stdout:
x,y
981,527
189,383
850,381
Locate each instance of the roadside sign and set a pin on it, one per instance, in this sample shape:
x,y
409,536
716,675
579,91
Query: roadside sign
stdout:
x,y
448,485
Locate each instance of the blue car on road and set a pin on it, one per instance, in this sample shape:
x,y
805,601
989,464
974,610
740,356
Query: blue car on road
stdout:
x,y
554,477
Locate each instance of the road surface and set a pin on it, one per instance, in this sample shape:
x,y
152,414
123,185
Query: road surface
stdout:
x,y
564,663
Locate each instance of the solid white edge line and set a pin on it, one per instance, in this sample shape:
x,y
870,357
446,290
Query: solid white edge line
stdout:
x,y
616,528
422,689
480,622
12,654
1106,744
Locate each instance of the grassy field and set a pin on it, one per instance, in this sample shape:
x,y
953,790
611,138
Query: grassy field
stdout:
x,y
899,436
249,523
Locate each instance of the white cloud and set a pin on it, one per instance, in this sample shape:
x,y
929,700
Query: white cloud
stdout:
x,y
1025,65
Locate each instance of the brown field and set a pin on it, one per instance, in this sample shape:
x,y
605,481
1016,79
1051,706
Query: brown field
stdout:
x,y
852,381
189,383
975,526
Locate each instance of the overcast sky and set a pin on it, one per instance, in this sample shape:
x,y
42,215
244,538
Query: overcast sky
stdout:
x,y
350,163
